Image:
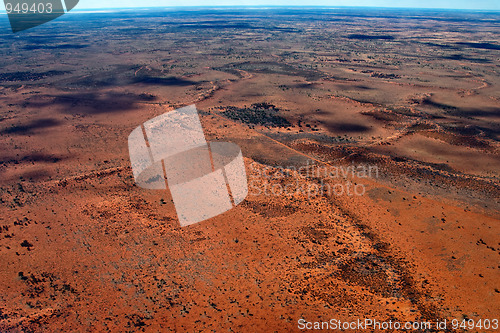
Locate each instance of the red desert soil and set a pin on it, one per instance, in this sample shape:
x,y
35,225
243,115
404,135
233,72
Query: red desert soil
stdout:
x,y
83,249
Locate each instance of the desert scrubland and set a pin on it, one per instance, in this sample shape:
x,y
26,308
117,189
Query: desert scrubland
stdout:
x,y
409,97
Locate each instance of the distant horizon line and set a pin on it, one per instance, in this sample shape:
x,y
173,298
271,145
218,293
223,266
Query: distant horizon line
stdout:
x,y
280,6
293,6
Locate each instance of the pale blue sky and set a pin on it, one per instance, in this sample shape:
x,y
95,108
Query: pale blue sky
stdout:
x,y
456,4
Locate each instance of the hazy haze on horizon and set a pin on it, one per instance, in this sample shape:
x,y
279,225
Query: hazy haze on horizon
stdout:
x,y
457,4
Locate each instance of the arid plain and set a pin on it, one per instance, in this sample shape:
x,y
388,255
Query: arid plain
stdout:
x,y
412,94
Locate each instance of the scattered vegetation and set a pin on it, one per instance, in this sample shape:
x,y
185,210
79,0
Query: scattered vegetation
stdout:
x,y
264,114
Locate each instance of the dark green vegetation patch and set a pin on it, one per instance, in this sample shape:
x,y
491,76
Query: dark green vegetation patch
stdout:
x,y
257,114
